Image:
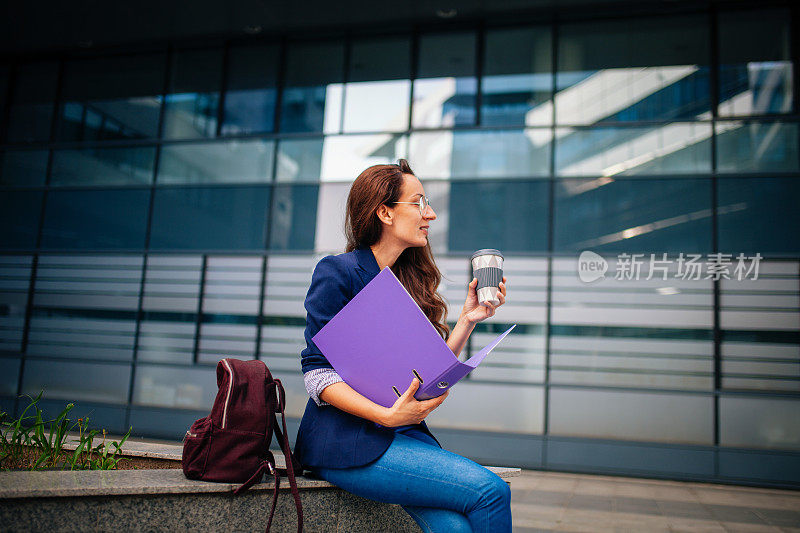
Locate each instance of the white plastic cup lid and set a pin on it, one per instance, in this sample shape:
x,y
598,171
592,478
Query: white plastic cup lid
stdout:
x,y
486,251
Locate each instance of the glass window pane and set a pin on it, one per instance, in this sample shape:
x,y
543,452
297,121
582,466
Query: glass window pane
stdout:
x,y
345,157
95,219
760,321
294,217
19,219
377,106
251,93
329,235
217,162
678,418
70,334
484,407
215,218
175,386
760,422
103,166
169,340
380,59
755,66
616,356
15,279
96,284
280,344
481,154
170,301
762,367
508,215
668,315
678,148
33,94
288,280
312,96
193,97
445,88
112,98
439,196
647,69
5,72
172,283
517,86
67,380
232,335
604,214
9,374
299,160
337,157
757,147
26,168
231,291
755,214
378,92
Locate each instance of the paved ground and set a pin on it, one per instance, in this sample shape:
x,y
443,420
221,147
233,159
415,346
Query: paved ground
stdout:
x,y
548,501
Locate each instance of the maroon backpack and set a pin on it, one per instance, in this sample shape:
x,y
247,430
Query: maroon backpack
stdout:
x,y
232,443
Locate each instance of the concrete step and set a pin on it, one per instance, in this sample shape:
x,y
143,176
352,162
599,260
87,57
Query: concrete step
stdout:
x,y
164,500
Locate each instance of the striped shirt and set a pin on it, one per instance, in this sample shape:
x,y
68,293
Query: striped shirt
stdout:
x,y
316,380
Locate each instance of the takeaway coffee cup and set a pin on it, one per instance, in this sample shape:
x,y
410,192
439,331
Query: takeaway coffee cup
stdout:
x,y
487,266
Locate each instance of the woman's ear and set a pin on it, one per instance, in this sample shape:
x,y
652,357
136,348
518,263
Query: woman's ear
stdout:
x,y
384,214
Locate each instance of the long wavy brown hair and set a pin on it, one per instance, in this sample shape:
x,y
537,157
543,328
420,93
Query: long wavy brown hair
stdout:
x,y
415,268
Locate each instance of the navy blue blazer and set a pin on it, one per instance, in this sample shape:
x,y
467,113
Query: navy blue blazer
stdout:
x,y
329,437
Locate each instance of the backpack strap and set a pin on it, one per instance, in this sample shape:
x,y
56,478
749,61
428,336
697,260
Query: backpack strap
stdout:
x,y
269,465
266,466
274,497
291,462
255,478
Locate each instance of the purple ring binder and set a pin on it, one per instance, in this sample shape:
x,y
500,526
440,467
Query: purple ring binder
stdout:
x,y
381,339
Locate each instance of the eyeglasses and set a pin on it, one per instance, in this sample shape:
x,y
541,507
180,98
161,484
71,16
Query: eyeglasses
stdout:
x,y
423,204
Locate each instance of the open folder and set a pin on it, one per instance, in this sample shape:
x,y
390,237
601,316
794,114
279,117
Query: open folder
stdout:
x,y
381,340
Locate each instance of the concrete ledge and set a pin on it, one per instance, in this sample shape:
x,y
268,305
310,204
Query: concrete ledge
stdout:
x,y
186,512
66,484
164,500
71,484
145,448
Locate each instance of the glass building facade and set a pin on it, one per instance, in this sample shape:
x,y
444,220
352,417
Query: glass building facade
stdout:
x,y
164,208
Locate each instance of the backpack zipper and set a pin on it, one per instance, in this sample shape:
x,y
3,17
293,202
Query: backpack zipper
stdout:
x,y
228,397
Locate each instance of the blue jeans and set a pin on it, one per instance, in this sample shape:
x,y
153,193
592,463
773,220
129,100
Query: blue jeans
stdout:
x,y
442,491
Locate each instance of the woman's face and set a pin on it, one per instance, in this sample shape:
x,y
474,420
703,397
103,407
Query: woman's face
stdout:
x,y
409,226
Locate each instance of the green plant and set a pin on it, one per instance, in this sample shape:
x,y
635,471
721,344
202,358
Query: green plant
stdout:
x,y
108,460
78,459
51,446
32,442
15,434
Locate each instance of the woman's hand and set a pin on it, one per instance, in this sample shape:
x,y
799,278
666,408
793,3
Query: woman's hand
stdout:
x,y
473,312
408,410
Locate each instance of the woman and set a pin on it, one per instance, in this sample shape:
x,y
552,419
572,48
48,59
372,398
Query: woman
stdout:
x,y
389,454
